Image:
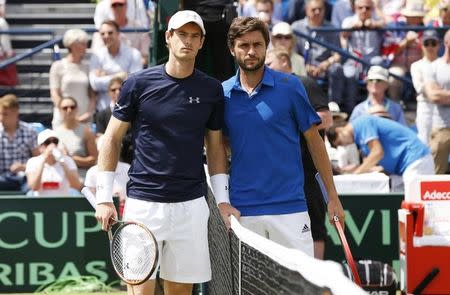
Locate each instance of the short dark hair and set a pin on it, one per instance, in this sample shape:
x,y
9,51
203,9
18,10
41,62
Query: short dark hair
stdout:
x,y
69,98
332,135
243,25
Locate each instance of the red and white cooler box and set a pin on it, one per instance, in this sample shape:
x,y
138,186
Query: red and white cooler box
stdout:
x,y
424,236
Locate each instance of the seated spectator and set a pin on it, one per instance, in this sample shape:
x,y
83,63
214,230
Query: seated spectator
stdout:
x,y
18,143
424,113
52,173
341,10
135,10
362,43
264,11
296,10
376,85
402,48
120,178
437,89
321,63
140,41
113,58
76,140
387,143
283,37
70,77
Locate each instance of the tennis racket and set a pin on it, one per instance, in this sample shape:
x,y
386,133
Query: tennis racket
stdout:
x,y
133,248
340,230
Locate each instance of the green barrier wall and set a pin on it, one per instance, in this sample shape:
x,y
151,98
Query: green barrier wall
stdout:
x,y
43,239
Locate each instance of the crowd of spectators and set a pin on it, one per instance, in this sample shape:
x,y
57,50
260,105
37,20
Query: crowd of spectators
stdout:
x,y
84,91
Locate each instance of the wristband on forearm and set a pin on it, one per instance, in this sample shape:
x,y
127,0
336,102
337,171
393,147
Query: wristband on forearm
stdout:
x,y
219,185
104,188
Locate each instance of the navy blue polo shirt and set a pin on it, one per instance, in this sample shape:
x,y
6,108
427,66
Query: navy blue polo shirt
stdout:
x,y
267,174
169,117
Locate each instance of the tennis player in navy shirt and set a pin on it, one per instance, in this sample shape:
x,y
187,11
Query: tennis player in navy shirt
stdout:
x,y
171,108
265,111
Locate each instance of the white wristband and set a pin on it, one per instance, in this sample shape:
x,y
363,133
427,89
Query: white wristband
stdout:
x,y
219,185
104,188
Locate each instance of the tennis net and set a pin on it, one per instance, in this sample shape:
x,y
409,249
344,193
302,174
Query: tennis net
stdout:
x,y
246,263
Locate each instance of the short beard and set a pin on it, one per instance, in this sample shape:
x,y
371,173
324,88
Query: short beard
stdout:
x,y
254,68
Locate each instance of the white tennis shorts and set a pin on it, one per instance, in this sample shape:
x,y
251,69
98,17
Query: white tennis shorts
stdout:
x,y
290,230
181,230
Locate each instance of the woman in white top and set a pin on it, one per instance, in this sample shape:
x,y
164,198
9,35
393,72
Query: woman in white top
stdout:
x,y
52,172
69,77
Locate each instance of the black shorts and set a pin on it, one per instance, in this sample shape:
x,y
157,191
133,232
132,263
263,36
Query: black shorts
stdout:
x,y
316,207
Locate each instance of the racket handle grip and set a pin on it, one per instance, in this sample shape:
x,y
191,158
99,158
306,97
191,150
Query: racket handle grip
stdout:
x,y
89,196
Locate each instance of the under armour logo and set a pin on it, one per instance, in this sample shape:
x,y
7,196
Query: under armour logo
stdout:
x,y
305,229
194,99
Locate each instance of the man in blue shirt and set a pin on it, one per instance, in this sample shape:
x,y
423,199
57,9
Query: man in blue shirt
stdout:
x,y
171,109
386,143
265,111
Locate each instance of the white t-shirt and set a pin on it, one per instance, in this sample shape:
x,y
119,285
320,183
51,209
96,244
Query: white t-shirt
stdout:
x,y
120,178
53,180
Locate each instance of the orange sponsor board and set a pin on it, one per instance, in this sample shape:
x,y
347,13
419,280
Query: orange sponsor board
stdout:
x,y
435,190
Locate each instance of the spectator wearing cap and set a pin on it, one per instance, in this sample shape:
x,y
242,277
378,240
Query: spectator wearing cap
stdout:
x,y
376,85
283,37
437,90
384,143
321,63
424,113
18,143
402,48
140,41
69,76
135,10
115,57
52,173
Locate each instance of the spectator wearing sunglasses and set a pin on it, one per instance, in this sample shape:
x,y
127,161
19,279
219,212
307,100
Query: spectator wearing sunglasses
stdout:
x,y
430,47
437,89
376,85
52,172
283,38
77,140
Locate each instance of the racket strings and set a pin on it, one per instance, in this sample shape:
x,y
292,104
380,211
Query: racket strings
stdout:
x,y
133,253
